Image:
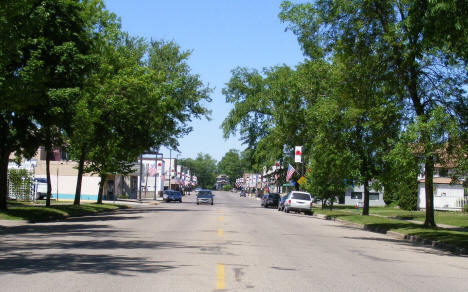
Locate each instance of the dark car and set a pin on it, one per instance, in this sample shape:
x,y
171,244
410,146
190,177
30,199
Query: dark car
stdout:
x,y
205,197
270,200
281,203
169,196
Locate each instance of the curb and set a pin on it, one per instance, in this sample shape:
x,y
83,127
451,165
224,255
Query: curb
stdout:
x,y
404,237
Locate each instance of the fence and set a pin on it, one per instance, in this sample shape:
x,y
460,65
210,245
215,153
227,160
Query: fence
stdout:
x,y
20,184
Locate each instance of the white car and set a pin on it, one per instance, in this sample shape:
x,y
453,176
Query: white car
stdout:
x,y
299,202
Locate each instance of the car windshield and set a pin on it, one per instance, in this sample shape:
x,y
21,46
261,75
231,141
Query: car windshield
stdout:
x,y
301,196
274,195
204,195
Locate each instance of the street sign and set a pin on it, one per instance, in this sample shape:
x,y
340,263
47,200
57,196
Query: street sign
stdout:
x,y
298,154
301,180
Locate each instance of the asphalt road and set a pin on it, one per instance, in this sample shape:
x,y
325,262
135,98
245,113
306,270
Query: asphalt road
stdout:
x,y
234,245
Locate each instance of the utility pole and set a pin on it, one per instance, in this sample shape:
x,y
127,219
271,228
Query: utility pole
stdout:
x,y
170,167
141,176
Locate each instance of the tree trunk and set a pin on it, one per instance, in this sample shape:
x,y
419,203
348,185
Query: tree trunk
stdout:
x,y
4,157
49,184
365,210
80,177
365,174
429,187
101,188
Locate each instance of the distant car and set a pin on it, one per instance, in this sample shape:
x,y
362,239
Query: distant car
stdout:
x,y
270,199
281,203
242,194
169,196
298,202
205,197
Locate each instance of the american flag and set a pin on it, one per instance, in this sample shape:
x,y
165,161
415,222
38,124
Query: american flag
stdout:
x,y
290,172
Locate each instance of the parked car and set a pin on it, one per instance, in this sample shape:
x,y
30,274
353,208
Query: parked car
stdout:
x,y
205,197
298,202
281,203
270,199
40,188
169,196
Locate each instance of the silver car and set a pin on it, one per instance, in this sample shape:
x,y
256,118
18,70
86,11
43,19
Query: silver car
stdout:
x,y
205,197
298,202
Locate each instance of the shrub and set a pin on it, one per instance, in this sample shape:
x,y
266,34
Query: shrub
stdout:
x,y
226,188
465,208
408,202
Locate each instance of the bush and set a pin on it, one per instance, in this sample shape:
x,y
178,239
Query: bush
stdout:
x,y
408,202
388,198
465,208
227,188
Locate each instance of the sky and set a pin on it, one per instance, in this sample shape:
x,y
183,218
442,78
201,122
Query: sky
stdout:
x,y
222,35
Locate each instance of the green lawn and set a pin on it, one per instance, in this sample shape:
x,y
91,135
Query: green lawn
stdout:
x,y
60,211
456,238
459,219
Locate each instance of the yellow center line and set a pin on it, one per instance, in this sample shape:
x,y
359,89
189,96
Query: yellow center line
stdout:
x,y
220,232
220,277
221,218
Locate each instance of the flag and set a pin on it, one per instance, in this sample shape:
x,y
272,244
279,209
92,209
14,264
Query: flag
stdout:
x,y
290,172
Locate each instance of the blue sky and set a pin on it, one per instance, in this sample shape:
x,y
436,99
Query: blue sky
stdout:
x,y
222,34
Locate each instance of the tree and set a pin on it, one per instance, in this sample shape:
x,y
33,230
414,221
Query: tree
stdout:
x,y
412,70
231,165
41,62
203,167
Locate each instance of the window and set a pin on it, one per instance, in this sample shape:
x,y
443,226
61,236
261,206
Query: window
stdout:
x,y
301,196
374,196
356,195
443,172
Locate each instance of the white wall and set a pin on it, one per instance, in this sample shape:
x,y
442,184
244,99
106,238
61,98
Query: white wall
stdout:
x,y
67,184
353,202
446,196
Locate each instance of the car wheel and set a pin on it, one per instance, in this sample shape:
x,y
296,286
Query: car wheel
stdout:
x,y
211,203
180,201
198,203
286,210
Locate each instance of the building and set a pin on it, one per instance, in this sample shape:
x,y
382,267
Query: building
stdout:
x,y
447,196
221,181
354,196
64,173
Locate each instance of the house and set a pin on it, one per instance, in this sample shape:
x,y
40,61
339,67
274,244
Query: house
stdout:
x,y
447,196
354,196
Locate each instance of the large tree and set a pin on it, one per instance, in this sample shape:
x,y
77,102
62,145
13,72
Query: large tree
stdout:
x,y
422,77
42,61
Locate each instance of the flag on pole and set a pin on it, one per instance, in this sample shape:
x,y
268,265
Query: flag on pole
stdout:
x,y
290,172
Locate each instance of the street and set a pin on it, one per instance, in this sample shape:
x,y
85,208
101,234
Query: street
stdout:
x,y
233,245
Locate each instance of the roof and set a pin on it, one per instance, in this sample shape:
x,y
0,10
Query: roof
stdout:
x,y
440,180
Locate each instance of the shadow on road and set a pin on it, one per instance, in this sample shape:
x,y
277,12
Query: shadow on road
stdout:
x,y
102,264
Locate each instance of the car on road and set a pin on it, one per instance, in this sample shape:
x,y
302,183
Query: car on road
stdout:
x,y
205,197
281,203
298,202
270,199
169,196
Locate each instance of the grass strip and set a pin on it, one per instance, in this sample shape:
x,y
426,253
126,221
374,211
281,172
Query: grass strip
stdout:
x,y
34,213
455,238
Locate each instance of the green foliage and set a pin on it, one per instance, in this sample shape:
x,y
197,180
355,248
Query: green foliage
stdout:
x,y
203,167
227,187
233,164
408,201
20,183
465,208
